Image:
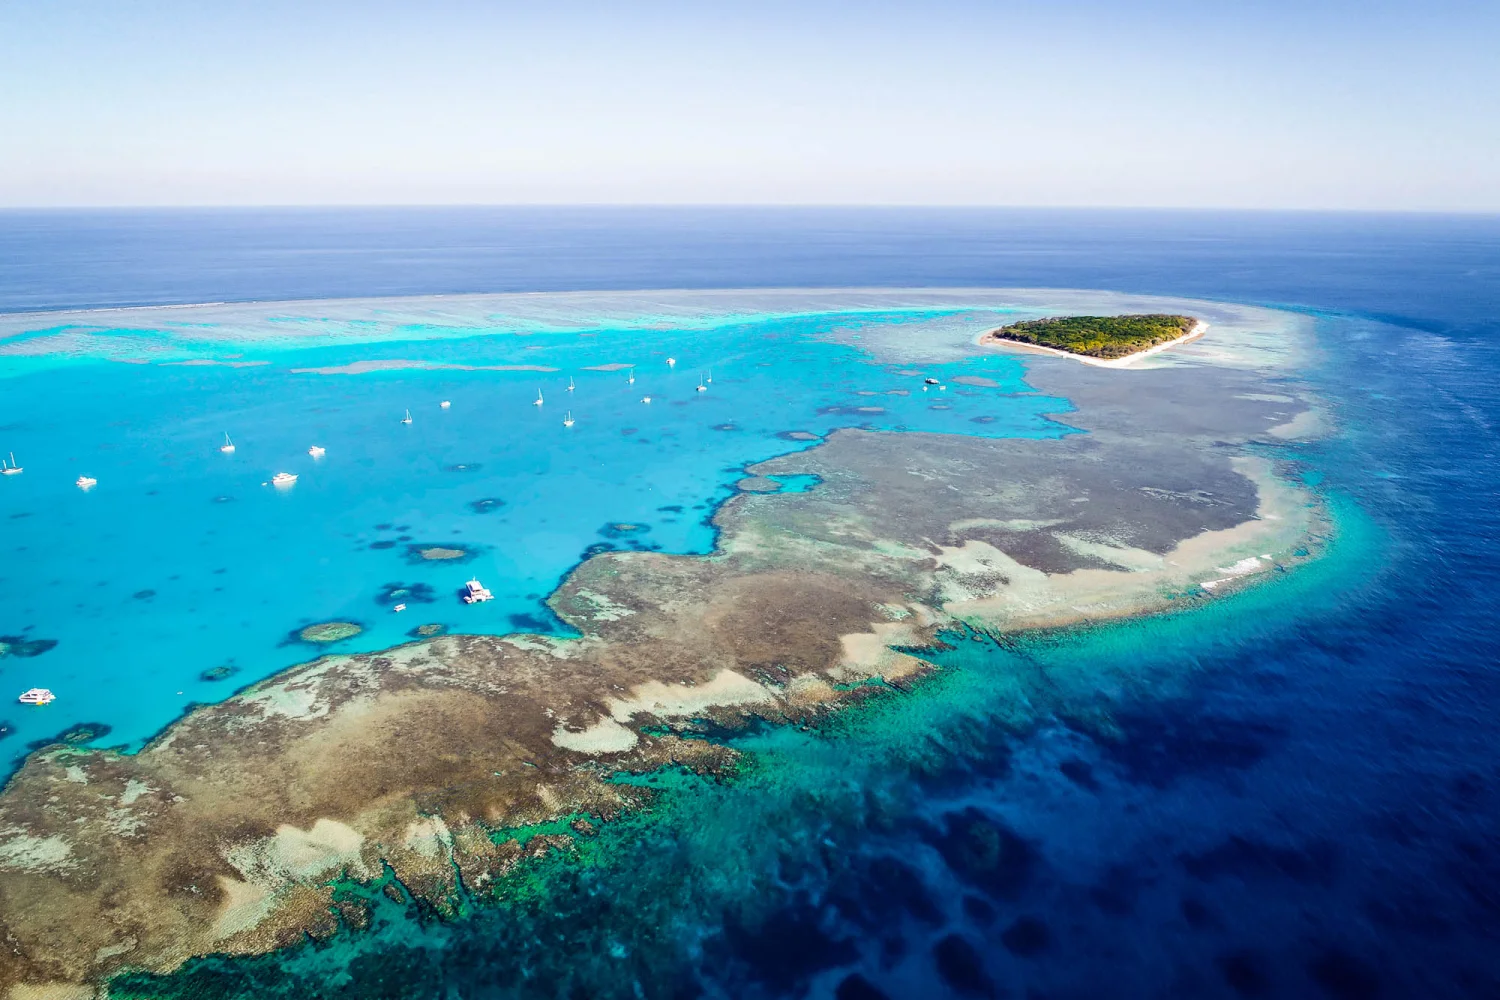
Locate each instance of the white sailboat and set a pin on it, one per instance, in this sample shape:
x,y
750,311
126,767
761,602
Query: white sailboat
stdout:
x,y
9,468
701,386
671,362
571,386
645,399
406,419
538,400
631,379
228,446
710,376
568,420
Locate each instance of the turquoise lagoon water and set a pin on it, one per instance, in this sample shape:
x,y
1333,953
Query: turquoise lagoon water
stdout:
x,y
183,560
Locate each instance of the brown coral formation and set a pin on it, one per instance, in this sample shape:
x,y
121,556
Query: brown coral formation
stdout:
x,y
223,833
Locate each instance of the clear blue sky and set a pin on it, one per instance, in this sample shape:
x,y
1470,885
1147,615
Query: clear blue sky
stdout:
x,y
1364,105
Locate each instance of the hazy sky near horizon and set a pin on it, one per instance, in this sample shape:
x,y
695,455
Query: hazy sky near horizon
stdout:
x,y
1277,104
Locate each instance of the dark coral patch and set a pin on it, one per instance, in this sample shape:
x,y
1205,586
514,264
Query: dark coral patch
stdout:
x,y
981,420
223,671
857,987
1343,976
624,530
1162,747
143,595
75,735
527,623
427,631
1244,973
422,553
406,593
986,853
382,545
789,948
1079,773
961,967
725,427
19,645
1027,937
486,505
1253,859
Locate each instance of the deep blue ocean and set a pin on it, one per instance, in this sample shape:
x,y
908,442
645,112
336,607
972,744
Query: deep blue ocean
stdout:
x,y
1315,813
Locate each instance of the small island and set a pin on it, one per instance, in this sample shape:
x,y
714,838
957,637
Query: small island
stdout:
x,y
1107,338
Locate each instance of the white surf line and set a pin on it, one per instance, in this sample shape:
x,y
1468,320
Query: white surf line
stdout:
x,y
1124,362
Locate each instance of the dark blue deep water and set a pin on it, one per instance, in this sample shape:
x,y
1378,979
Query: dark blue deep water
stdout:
x,y
1316,813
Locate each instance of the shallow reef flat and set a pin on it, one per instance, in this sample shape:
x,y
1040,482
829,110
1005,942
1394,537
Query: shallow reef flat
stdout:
x,y
224,833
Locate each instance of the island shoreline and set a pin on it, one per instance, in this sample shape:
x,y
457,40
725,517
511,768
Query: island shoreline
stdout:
x,y
992,338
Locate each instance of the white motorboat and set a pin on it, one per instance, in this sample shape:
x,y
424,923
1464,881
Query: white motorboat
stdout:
x,y
283,479
37,696
85,483
645,399
445,404
671,362
399,607
317,451
228,446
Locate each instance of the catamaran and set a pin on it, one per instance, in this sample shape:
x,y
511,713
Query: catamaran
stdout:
x,y
568,420
37,696
406,419
9,468
538,400
228,446
475,592
85,483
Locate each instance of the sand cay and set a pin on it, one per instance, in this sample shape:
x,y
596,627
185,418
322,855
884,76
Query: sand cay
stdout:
x,y
223,833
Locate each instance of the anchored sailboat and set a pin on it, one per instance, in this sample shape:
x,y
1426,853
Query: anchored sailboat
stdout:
x,y
568,420
9,468
631,379
228,446
701,386
406,419
571,387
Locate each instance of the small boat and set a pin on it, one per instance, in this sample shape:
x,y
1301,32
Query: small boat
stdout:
x,y
317,451
283,479
571,386
568,420
85,483
399,607
701,386
37,696
933,381
631,379
9,468
538,400
406,419
645,399
228,446
671,362
476,592
445,404
710,376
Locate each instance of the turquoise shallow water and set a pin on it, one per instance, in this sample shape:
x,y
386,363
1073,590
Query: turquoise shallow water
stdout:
x,y
184,560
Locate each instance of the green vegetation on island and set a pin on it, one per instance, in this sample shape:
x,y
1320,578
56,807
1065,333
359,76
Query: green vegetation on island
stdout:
x,y
1099,336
